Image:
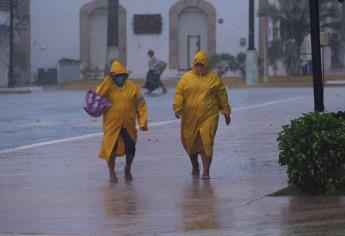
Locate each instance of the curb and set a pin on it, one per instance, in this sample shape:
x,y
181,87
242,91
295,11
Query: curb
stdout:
x,y
20,90
335,83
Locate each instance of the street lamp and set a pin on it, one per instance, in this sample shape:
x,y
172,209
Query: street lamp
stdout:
x,y
316,55
11,82
251,55
112,33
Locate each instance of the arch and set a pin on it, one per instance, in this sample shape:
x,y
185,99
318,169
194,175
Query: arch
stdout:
x,y
174,13
85,13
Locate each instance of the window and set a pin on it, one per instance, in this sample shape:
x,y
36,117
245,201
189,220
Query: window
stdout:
x,y
4,4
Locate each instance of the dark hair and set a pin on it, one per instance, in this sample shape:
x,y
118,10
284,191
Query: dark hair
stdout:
x,y
150,52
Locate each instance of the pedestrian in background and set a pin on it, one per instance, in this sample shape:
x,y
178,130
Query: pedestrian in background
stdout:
x,y
200,96
120,134
153,76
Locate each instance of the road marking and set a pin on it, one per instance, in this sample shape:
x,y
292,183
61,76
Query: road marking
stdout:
x,y
155,124
35,145
268,103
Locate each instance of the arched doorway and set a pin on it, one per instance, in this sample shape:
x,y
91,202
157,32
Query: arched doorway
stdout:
x,y
192,27
98,38
93,22
192,35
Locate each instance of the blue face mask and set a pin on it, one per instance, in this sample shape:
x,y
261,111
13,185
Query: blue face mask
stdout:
x,y
120,80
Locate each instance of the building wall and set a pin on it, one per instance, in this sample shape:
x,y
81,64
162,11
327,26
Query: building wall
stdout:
x,y
21,46
55,32
4,17
4,48
235,26
4,54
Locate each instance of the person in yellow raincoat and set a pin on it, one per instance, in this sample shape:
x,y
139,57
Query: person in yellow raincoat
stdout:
x,y
200,96
120,134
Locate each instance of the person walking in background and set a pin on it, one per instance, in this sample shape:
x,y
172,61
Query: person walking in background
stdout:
x,y
120,134
153,77
200,96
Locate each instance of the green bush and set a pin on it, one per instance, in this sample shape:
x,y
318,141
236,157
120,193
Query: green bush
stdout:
x,y
313,149
91,73
225,62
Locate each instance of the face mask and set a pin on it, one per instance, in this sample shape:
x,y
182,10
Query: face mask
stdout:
x,y
119,81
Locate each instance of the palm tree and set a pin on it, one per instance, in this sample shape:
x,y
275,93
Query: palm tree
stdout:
x,y
337,41
292,16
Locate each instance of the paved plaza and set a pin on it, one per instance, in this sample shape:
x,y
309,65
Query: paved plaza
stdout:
x,y
62,188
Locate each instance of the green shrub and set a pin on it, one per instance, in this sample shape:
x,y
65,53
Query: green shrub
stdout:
x,y
313,149
225,62
91,73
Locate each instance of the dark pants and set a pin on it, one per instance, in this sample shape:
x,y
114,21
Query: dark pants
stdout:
x,y
129,143
153,81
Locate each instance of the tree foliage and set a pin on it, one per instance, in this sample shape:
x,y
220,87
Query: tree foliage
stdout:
x,y
293,20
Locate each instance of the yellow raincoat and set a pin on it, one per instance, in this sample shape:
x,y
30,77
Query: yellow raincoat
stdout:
x,y
127,105
199,99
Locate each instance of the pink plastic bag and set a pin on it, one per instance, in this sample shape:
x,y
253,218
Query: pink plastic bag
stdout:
x,y
94,104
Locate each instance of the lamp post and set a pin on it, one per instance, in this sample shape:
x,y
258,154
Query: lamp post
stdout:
x,y
112,33
251,65
251,35
11,81
316,55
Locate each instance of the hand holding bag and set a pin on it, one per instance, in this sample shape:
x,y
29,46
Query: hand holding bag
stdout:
x,y
161,67
94,104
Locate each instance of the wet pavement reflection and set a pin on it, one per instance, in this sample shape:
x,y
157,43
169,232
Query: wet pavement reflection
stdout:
x,y
63,188
199,208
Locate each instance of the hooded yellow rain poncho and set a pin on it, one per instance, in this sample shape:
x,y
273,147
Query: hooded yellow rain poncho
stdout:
x,y
128,104
199,99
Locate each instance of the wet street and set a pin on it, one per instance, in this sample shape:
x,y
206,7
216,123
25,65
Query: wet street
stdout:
x,y
62,188
50,115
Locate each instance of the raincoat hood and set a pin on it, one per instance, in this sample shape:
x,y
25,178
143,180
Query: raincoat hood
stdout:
x,y
117,68
201,57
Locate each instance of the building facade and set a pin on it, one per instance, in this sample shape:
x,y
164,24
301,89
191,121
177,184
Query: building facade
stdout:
x,y
55,35
21,42
4,45
178,28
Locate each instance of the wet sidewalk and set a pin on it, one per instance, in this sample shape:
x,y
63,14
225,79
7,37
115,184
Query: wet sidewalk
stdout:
x,y
63,189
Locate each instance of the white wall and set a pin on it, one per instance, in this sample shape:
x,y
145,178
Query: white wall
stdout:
x,y
234,27
55,31
138,45
4,18
4,49
4,57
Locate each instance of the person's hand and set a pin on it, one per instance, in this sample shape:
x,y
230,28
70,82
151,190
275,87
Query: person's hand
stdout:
x,y
144,128
227,119
178,115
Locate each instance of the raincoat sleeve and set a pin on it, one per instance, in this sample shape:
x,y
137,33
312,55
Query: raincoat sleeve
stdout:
x,y
222,98
179,96
103,88
142,114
